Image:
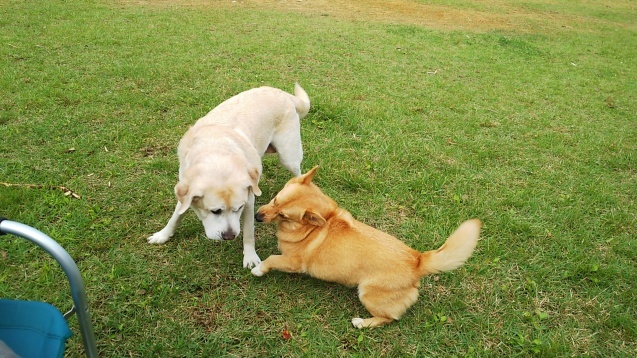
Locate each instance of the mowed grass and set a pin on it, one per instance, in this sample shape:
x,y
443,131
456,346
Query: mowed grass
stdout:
x,y
415,128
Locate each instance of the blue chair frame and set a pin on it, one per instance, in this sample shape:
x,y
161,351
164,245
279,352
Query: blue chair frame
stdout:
x,y
80,305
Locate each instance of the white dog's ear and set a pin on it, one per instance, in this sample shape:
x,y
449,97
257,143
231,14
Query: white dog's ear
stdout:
x,y
313,218
254,181
307,177
184,195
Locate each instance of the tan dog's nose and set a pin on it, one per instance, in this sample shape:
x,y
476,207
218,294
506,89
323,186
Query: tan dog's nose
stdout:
x,y
258,217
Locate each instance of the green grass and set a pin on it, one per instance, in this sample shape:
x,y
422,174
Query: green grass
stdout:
x,y
415,129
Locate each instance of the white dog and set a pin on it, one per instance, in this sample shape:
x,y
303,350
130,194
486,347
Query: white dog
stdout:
x,y
220,162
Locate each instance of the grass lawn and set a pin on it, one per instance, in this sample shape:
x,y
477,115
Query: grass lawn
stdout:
x,y
424,114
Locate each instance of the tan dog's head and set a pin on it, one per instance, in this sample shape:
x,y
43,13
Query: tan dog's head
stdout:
x,y
300,203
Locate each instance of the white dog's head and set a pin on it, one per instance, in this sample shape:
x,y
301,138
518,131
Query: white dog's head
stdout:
x,y
218,199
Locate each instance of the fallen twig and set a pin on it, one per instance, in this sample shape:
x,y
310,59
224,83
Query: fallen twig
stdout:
x,y
65,190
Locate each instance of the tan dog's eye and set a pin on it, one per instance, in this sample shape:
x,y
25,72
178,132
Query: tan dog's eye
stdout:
x,y
283,216
216,212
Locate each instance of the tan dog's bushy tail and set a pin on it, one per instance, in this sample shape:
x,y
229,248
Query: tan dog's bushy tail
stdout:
x,y
301,101
454,252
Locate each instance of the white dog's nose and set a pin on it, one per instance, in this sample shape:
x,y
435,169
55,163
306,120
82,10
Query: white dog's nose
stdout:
x,y
228,235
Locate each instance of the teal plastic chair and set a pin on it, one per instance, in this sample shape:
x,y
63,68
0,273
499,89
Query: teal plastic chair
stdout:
x,y
38,329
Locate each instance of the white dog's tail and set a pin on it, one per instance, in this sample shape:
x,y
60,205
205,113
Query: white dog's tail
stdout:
x,y
301,101
454,252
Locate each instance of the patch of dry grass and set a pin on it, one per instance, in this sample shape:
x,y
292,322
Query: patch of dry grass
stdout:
x,y
530,16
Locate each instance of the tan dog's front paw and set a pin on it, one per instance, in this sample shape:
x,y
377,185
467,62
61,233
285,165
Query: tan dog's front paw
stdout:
x,y
357,322
257,271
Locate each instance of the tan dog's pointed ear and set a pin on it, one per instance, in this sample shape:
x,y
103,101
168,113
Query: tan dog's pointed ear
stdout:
x,y
254,179
313,218
307,177
185,197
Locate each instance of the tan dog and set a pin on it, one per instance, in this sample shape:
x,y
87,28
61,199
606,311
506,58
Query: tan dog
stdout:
x,y
320,239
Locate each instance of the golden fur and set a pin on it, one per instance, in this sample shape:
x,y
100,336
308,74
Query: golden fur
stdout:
x,y
319,238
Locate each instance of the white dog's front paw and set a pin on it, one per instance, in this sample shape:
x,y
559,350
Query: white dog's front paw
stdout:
x,y
158,238
257,271
357,322
250,259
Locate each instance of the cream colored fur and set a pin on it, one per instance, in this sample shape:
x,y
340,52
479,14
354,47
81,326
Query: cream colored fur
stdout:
x,y
220,162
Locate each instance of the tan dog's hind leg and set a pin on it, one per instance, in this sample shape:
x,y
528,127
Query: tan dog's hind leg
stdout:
x,y
277,262
384,305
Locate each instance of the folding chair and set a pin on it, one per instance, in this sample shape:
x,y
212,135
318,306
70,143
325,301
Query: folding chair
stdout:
x,y
37,329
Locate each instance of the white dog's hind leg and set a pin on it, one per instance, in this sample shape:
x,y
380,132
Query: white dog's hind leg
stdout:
x,y
167,232
290,150
250,257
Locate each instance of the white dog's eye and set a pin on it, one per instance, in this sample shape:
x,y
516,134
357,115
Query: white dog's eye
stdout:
x,y
216,212
239,208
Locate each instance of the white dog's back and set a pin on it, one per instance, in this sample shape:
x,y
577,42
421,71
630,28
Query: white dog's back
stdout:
x,y
262,98
271,107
